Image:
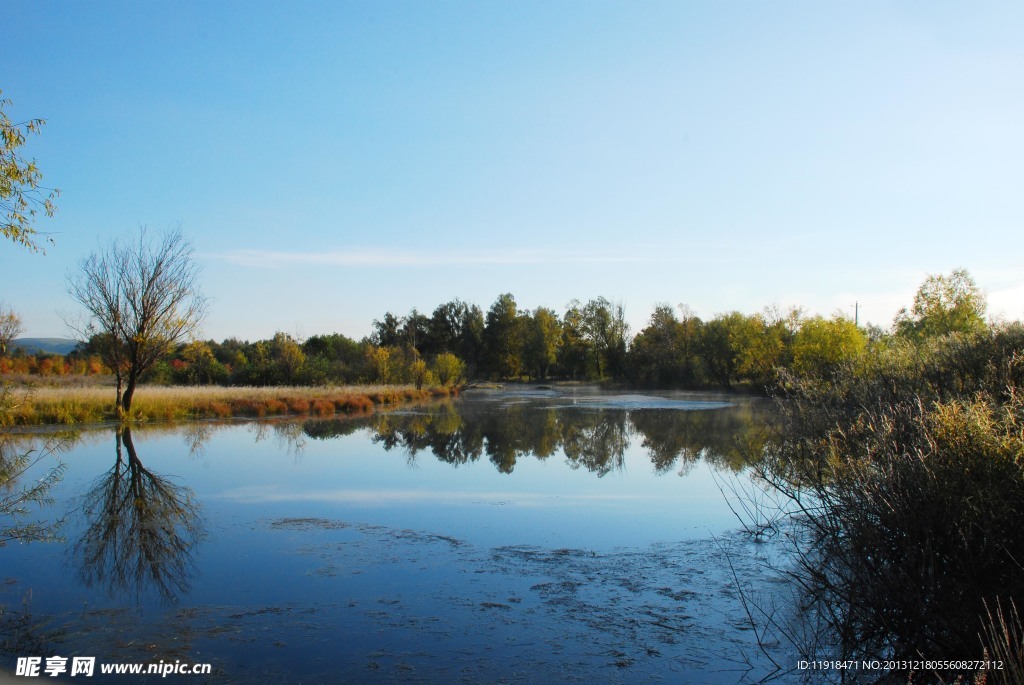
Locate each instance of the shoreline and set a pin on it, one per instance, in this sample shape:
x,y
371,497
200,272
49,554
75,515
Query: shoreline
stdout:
x,y
77,406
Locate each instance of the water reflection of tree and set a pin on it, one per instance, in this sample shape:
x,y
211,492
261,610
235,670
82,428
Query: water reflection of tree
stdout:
x,y
596,439
439,430
19,494
727,438
16,500
142,529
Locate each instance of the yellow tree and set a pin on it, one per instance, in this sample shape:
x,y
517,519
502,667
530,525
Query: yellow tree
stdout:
x,y
944,304
381,364
448,369
21,196
10,327
822,343
20,199
200,361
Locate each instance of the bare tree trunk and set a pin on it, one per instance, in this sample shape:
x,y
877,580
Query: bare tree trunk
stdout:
x,y
129,392
117,402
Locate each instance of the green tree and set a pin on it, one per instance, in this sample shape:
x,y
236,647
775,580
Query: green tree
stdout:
x,y
574,350
388,331
719,341
943,305
543,334
604,325
444,327
690,328
656,350
288,357
415,331
335,347
471,337
333,358
503,340
260,367
21,196
142,296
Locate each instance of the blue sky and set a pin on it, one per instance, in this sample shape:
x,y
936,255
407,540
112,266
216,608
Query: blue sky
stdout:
x,y
334,161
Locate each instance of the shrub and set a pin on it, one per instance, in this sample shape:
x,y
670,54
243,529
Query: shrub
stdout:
x,y
221,410
906,472
323,407
249,408
272,406
355,403
449,369
298,405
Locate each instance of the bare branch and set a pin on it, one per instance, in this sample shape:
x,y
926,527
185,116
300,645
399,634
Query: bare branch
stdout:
x,y
142,297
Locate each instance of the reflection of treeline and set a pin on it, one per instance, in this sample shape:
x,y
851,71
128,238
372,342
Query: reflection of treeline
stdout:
x,y
595,439
906,466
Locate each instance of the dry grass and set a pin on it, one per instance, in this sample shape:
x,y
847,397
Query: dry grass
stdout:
x,y
81,405
1003,638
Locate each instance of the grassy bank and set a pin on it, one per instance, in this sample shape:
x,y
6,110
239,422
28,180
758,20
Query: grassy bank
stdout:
x,y
905,476
81,405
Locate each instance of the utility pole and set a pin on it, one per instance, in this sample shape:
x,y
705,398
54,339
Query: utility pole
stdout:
x,y
856,313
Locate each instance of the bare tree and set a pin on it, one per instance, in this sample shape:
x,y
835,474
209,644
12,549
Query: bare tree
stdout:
x,y
142,298
10,327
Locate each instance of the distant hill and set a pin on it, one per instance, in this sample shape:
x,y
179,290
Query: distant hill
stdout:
x,y
48,345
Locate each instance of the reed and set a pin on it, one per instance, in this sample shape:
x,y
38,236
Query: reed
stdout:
x,y
84,405
905,476
1003,637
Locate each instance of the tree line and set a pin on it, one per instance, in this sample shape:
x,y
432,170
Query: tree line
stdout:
x,y
588,341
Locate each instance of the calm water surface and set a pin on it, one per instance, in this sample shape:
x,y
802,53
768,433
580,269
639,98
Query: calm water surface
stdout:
x,y
528,536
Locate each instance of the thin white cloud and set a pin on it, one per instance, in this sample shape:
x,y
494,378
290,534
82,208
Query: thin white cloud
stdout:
x,y
378,257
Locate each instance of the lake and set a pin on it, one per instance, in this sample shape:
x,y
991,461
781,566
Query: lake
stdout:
x,y
510,536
